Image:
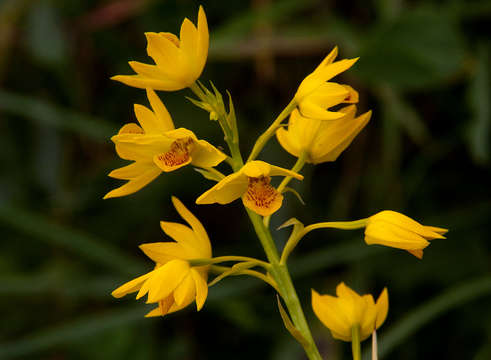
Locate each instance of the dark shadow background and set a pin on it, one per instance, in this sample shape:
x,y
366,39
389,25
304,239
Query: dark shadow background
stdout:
x,y
423,71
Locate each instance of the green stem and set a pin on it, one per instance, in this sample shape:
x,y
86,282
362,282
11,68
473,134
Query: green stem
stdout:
x,y
263,139
231,135
280,274
355,342
295,239
342,225
216,269
220,259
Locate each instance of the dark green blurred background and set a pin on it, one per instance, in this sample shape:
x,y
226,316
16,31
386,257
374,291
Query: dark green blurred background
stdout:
x,y
426,152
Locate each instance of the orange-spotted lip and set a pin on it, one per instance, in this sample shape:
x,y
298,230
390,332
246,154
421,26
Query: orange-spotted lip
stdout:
x,y
262,197
178,154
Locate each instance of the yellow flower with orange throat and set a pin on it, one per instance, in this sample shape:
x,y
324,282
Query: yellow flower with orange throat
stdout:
x,y
348,309
155,146
320,140
252,184
179,62
174,283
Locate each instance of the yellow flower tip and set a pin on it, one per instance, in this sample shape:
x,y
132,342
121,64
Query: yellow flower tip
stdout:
x,y
396,230
417,253
178,61
348,309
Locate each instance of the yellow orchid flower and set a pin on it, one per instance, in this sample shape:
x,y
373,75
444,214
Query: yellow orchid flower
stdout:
x,y
315,94
396,230
179,62
174,283
252,183
340,314
156,146
322,141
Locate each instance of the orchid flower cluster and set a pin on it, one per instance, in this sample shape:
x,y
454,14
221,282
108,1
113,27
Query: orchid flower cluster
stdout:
x,y
322,122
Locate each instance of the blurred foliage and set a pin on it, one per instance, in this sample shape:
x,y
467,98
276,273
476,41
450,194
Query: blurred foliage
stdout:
x,y
424,70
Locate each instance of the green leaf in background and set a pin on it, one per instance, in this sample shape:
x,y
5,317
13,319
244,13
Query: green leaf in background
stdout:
x,y
45,36
479,95
73,331
81,244
47,114
416,50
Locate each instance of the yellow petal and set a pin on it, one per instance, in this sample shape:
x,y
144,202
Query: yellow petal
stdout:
x,y
288,142
391,235
367,325
131,128
163,51
328,59
165,122
258,168
134,184
203,39
189,45
417,253
163,252
206,155
227,190
333,140
132,170
199,230
185,293
140,147
130,286
303,130
184,236
326,309
143,82
201,288
315,111
382,306
155,312
147,119
278,171
331,70
165,280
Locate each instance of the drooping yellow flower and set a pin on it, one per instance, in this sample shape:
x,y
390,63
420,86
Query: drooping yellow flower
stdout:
x,y
396,230
321,140
315,95
174,283
156,146
252,184
340,314
179,62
